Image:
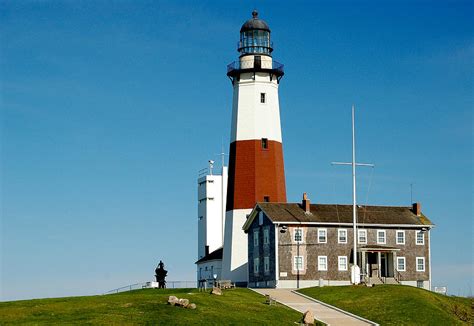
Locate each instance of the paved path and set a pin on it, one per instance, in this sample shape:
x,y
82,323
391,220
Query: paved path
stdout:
x,y
321,312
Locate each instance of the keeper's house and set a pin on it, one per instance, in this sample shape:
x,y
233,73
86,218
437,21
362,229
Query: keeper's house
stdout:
x,y
294,245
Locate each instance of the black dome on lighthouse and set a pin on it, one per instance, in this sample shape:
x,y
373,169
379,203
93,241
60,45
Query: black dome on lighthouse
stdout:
x,y
255,23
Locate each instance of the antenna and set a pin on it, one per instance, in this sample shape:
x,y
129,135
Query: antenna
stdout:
x,y
211,166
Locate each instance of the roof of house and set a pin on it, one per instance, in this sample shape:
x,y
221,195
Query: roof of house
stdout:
x,y
331,213
215,255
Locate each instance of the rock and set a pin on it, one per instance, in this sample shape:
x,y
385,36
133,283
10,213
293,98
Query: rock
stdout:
x,y
216,291
172,300
183,302
191,306
308,318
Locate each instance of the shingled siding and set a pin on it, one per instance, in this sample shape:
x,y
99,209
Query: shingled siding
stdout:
x,y
262,278
310,249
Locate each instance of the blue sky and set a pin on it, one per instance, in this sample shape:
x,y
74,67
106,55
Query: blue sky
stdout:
x,y
109,109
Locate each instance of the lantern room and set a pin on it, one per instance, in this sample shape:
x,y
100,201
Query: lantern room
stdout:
x,y
255,37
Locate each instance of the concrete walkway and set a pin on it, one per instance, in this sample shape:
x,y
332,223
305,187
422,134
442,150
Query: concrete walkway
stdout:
x,y
322,312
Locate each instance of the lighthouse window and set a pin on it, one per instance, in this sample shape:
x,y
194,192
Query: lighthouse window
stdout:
x,y
265,143
262,97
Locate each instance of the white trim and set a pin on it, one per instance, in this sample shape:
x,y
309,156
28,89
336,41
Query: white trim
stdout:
x,y
256,265
358,236
404,264
302,235
266,231
416,238
255,238
295,268
429,259
384,237
339,263
325,235
416,262
351,224
396,237
339,236
277,274
319,267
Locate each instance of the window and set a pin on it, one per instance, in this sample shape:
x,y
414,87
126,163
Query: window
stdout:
x,y
266,199
322,235
381,237
420,284
210,181
265,143
298,263
255,238
255,265
420,264
262,97
401,237
342,236
322,263
342,263
266,236
298,235
420,238
266,264
260,218
401,265
201,217
362,236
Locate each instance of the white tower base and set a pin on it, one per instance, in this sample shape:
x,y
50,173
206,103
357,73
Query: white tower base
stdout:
x,y
235,259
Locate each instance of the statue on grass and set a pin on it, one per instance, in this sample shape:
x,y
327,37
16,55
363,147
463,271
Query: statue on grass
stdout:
x,y
160,274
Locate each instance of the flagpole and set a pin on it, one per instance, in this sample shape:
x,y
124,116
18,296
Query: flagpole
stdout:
x,y
354,208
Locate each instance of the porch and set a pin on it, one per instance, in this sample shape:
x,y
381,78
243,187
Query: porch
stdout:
x,y
379,265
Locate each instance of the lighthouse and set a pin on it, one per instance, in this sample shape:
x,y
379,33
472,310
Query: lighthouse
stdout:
x,y
256,169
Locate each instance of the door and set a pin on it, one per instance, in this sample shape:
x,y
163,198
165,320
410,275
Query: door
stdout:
x,y
383,264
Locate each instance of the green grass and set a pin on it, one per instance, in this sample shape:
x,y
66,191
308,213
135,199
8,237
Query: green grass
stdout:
x,y
234,307
396,304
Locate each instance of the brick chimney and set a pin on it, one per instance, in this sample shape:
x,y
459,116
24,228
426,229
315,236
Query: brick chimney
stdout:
x,y
417,209
306,203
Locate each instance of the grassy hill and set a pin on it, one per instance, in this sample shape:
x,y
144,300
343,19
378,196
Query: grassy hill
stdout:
x,y
149,306
396,304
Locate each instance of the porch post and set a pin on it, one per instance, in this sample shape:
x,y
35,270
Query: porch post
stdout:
x,y
379,261
364,268
395,266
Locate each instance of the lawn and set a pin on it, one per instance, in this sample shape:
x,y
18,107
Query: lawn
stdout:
x,y
149,306
396,304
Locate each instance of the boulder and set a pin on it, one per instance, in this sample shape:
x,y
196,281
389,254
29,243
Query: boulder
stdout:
x,y
191,306
183,302
216,291
172,300
308,317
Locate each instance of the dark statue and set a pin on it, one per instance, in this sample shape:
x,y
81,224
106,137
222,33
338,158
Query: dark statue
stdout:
x,y
160,274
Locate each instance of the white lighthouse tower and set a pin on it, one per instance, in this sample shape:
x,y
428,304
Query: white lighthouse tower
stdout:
x,y
256,169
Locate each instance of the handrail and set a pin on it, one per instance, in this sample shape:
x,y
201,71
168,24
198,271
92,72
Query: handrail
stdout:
x,y
236,65
141,285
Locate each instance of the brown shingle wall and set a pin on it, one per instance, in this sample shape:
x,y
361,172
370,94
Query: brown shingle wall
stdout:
x,y
311,249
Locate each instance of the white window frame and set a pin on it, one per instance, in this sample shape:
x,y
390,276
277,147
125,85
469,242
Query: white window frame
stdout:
x,y
396,237
319,263
266,264
325,235
266,236
339,235
255,238
339,263
422,240
358,236
295,265
256,263
404,264
384,237
260,218
297,230
424,266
